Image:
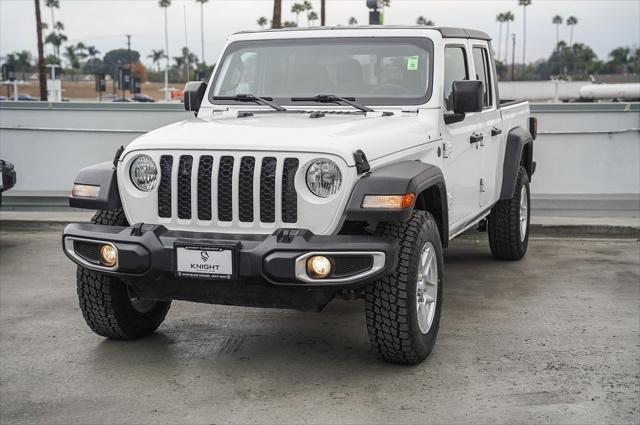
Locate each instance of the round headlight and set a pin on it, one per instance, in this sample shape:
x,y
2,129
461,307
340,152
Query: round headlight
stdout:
x,y
324,178
144,173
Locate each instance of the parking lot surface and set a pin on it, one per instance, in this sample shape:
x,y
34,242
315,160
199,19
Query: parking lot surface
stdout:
x,y
554,338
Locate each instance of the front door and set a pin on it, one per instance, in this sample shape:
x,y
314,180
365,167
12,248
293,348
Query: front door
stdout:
x,y
461,166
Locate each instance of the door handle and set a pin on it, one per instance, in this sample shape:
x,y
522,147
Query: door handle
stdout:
x,y
496,131
476,138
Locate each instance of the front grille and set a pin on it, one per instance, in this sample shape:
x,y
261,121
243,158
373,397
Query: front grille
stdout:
x,y
226,188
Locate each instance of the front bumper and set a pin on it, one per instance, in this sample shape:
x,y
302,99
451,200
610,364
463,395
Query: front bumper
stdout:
x,y
267,268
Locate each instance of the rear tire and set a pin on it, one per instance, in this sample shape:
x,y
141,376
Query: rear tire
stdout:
x,y
109,306
508,224
403,309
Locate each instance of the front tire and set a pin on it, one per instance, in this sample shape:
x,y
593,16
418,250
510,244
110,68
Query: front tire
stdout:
x,y
403,309
109,306
508,224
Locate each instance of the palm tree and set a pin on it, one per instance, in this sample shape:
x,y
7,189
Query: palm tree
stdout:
x,y
72,56
297,8
56,40
323,12
165,5
424,21
312,17
156,56
571,22
92,52
262,21
202,2
353,21
81,50
508,18
308,7
500,19
42,76
53,4
276,22
557,21
524,4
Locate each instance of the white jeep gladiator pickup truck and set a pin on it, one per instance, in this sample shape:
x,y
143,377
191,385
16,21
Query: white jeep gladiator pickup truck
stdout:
x,y
318,163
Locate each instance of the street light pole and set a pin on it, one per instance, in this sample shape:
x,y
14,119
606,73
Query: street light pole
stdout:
x,y
513,58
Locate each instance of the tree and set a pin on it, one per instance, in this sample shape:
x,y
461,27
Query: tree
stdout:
x,y
524,4
619,60
508,18
557,21
21,61
312,17
56,40
186,62
262,21
42,77
572,21
81,50
114,59
156,56
164,4
71,54
308,7
297,8
289,24
92,52
500,19
53,4
424,21
323,12
276,22
353,21
202,2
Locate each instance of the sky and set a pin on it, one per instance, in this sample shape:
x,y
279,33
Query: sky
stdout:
x,y
602,24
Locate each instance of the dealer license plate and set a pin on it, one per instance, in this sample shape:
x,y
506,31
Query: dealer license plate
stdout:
x,y
204,262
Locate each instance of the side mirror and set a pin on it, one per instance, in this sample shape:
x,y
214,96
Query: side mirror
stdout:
x,y
193,95
468,96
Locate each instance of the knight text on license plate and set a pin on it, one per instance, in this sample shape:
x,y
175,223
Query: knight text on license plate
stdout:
x,y
204,262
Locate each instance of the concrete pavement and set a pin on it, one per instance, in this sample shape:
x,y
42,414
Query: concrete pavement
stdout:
x,y
554,338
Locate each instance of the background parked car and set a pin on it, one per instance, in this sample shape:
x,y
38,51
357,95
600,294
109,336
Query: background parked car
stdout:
x,y
7,177
139,97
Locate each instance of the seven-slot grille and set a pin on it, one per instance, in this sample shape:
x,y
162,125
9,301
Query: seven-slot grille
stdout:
x,y
244,188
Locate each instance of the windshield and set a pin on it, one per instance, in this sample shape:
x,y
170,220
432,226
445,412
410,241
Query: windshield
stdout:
x,y
375,71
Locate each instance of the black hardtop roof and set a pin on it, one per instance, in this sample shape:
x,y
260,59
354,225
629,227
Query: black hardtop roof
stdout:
x,y
447,32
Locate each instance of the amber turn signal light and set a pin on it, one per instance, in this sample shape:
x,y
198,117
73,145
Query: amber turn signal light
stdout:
x,y
395,202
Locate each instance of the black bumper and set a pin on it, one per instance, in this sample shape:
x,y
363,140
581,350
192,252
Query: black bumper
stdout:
x,y
265,272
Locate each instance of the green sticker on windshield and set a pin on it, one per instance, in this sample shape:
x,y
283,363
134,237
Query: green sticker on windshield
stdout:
x,y
412,63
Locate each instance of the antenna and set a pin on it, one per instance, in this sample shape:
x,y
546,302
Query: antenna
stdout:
x,y
186,41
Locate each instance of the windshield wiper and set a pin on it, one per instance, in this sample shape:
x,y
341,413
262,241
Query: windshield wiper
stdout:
x,y
267,101
330,98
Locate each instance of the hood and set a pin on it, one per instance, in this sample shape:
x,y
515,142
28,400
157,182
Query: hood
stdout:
x,y
338,134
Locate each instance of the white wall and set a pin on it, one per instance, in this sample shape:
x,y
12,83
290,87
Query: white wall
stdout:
x,y
584,151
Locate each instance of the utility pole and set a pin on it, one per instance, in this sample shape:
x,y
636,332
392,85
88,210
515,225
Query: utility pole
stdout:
x,y
42,76
513,58
129,57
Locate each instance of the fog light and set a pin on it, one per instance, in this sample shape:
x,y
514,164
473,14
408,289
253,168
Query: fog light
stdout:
x,y
318,266
108,255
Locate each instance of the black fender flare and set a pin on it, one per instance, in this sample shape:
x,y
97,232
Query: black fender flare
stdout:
x,y
398,179
104,176
518,150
